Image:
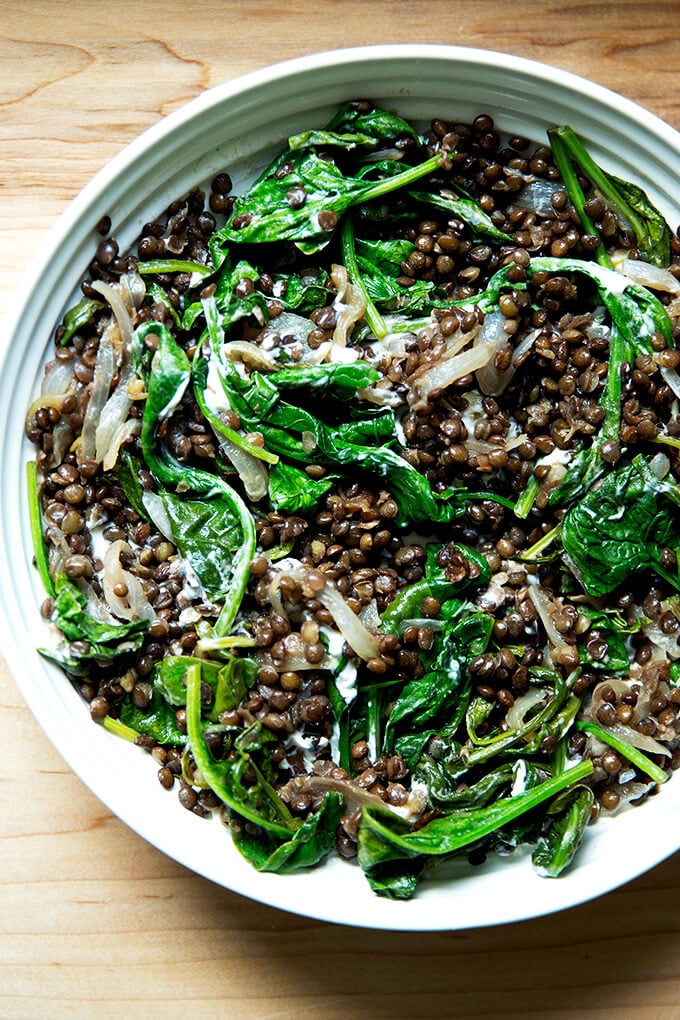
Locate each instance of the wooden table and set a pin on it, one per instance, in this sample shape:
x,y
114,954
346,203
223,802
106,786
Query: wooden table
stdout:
x,y
94,922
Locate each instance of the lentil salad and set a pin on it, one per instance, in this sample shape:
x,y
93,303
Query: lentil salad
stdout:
x,y
319,488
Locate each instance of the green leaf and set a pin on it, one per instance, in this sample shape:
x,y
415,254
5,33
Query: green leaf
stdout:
x,y
381,125
448,792
78,316
451,832
230,679
465,208
158,720
309,844
96,639
628,201
155,266
211,525
292,491
605,625
336,380
620,528
342,446
35,517
557,847
440,697
256,802
265,213
407,604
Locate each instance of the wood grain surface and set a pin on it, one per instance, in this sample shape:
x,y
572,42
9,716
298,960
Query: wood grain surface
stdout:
x,y
93,921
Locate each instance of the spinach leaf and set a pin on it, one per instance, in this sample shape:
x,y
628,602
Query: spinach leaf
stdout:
x,y
158,720
382,125
552,718
604,626
384,838
127,475
211,525
636,315
230,679
303,291
377,269
440,697
293,491
35,517
567,819
256,801
389,872
78,316
338,380
342,694
156,294
339,446
88,639
267,212
209,534
627,200
372,316
448,793
406,605
464,207
308,845
153,266
636,757
620,528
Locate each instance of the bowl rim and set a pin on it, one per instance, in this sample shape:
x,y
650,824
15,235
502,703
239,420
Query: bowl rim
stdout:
x,y
216,95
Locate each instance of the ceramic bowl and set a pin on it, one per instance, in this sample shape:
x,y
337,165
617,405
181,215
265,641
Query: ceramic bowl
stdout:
x,y
238,126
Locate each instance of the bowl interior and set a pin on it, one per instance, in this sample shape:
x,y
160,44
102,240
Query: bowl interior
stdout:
x,y
237,127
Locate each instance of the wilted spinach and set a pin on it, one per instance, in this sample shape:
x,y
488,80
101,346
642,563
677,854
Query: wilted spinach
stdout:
x,y
621,527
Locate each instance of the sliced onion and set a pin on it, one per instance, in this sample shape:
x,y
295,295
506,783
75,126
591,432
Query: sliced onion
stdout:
x,y
58,382
619,687
494,596
672,379
250,353
95,606
356,797
536,196
629,792
492,336
365,644
135,605
120,311
349,302
153,504
358,637
454,343
522,706
309,442
544,607
62,437
636,739
111,431
511,444
666,645
381,394
251,471
525,344
104,371
447,371
648,275
126,430
660,465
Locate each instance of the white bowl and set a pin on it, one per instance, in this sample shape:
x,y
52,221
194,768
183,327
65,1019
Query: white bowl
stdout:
x,y
237,126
